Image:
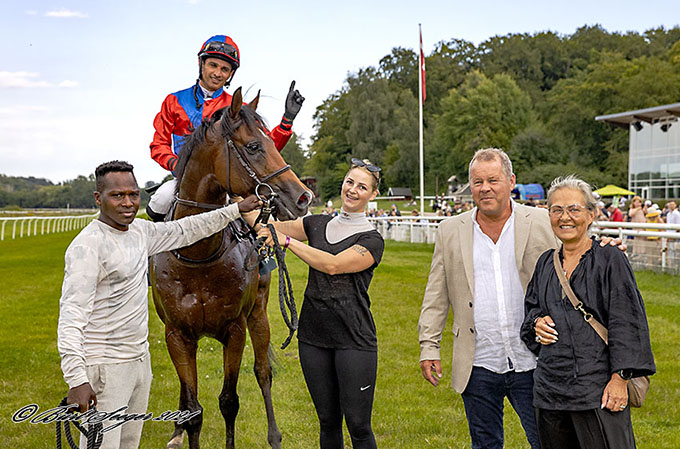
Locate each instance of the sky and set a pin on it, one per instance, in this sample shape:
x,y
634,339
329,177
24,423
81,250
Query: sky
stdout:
x,y
81,81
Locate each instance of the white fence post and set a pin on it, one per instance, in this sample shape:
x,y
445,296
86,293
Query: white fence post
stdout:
x,y
59,224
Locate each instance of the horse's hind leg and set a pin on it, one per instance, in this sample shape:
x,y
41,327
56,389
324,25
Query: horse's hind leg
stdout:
x,y
183,354
233,342
258,327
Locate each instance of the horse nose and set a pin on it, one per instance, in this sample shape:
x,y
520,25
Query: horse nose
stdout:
x,y
305,200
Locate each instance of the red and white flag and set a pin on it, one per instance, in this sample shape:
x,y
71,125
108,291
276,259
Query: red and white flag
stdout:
x,y
422,63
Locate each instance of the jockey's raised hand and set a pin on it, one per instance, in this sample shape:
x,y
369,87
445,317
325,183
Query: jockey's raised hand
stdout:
x,y
293,103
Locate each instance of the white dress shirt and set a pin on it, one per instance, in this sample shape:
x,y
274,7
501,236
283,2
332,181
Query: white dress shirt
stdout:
x,y
498,302
103,311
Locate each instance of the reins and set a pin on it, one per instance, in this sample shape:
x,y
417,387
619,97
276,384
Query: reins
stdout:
x,y
286,298
92,433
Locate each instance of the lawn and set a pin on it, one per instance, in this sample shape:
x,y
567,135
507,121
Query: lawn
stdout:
x,y
408,413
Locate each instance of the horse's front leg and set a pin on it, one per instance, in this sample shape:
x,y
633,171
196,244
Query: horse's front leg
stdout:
x,y
233,343
258,327
183,354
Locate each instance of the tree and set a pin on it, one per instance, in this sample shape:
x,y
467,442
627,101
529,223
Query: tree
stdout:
x,y
483,112
292,153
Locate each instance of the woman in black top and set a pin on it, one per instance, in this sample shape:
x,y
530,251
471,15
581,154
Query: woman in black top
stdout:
x,y
580,383
336,333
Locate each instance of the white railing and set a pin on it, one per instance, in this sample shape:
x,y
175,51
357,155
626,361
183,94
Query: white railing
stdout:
x,y
650,246
47,224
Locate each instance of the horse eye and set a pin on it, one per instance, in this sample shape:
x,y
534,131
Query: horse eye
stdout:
x,y
253,147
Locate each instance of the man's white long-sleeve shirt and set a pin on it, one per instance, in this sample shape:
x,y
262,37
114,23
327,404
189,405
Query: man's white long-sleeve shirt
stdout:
x,y
498,302
103,316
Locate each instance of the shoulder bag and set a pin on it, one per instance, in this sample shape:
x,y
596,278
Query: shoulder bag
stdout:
x,y
637,386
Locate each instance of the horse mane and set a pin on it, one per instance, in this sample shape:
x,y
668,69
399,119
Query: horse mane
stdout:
x,y
198,137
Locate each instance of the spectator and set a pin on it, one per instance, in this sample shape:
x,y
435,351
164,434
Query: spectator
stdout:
x,y
601,214
673,217
580,383
614,212
653,244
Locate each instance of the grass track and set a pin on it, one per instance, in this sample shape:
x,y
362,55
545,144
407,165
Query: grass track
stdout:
x,y
408,412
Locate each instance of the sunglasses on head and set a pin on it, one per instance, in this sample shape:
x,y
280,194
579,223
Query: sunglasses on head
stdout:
x,y
370,167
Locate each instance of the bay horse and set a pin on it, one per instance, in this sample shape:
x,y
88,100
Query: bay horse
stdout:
x,y
206,289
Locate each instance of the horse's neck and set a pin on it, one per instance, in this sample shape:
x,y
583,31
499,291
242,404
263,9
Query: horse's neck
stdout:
x,y
201,185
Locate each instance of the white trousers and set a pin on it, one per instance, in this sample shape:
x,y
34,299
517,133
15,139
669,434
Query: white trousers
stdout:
x,y
117,385
161,200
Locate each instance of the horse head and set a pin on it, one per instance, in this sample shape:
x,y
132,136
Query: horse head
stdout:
x,y
252,164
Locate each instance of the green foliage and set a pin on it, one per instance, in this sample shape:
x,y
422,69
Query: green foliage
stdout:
x,y
408,412
534,95
37,193
483,112
292,153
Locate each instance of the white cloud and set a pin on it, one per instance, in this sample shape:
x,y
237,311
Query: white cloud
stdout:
x,y
68,83
64,13
21,79
29,80
31,12
23,109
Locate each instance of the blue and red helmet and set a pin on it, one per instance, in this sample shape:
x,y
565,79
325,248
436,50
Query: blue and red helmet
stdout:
x,y
222,47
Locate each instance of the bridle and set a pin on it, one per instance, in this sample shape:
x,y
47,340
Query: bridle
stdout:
x,y
247,167
239,236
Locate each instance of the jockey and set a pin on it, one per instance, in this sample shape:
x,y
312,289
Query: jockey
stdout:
x,y
183,111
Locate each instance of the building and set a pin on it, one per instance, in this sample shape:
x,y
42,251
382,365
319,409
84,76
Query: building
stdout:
x,y
400,192
654,150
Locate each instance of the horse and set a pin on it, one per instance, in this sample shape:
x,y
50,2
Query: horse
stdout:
x,y
206,289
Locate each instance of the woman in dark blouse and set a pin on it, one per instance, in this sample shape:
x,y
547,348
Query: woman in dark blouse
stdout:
x,y
336,333
580,383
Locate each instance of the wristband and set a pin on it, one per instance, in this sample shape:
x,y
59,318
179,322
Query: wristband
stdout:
x,y
285,245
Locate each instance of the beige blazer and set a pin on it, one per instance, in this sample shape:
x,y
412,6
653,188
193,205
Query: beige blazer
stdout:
x,y
451,282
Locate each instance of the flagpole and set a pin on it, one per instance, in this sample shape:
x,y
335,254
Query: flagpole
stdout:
x,y
420,121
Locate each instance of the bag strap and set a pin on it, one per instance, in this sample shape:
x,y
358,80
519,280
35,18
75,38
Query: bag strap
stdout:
x,y
578,305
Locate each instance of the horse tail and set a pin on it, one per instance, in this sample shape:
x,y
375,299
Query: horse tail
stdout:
x,y
274,362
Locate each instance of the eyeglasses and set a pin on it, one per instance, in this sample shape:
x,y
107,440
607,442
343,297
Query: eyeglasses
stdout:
x,y
573,210
221,47
370,167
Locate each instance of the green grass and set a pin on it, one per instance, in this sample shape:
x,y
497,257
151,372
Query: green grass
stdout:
x,y
408,412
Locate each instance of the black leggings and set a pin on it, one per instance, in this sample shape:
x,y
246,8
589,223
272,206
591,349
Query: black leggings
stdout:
x,y
341,383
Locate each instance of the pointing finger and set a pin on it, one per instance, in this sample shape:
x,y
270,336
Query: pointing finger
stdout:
x,y
292,86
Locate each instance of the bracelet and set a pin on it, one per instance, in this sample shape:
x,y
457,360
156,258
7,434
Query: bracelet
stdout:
x,y
285,245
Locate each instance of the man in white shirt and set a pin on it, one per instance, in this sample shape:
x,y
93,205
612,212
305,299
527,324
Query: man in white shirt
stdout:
x,y
482,263
103,317
673,217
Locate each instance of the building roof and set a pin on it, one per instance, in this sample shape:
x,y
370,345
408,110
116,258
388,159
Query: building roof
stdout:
x,y
649,115
399,191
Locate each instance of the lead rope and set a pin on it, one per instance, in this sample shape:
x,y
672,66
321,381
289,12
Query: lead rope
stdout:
x,y
92,433
286,299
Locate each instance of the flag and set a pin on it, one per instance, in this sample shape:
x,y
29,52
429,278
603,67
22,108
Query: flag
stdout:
x,y
422,63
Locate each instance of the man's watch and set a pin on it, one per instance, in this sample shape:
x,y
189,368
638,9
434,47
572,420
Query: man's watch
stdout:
x,y
626,374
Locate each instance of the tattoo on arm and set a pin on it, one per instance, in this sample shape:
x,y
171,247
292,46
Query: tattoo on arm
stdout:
x,y
360,249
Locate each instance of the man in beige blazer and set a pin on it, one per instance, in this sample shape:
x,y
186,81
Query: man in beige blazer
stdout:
x,y
482,263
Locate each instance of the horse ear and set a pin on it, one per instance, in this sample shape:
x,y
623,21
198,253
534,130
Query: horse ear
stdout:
x,y
236,103
253,104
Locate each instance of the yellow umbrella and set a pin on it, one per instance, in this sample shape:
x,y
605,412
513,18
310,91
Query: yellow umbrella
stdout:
x,y
612,190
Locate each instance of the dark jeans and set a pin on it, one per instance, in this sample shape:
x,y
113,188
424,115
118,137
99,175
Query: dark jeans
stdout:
x,y
483,399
